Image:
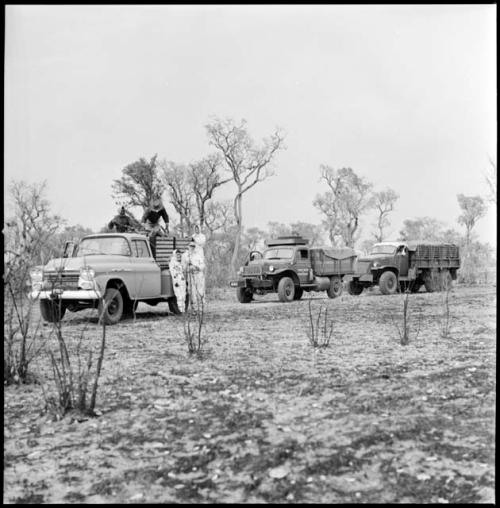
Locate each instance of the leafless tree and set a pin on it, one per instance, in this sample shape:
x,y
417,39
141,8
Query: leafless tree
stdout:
x,y
219,215
248,164
491,180
345,202
384,202
176,178
204,177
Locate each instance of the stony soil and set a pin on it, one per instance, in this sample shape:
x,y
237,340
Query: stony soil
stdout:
x,y
263,416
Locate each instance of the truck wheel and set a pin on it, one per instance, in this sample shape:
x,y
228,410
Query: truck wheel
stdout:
x,y
298,293
446,280
51,311
431,282
172,305
388,283
286,289
111,306
354,288
244,295
415,286
336,287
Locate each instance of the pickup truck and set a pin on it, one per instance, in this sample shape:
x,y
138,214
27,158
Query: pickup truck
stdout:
x,y
289,267
399,266
112,272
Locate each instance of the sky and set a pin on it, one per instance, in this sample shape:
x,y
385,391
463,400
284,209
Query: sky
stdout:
x,y
404,95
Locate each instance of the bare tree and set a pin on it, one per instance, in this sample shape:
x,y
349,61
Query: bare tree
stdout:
x,y
219,216
345,202
204,178
249,164
491,180
473,209
384,202
176,178
139,184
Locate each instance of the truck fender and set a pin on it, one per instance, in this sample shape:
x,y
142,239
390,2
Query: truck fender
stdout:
x,y
285,273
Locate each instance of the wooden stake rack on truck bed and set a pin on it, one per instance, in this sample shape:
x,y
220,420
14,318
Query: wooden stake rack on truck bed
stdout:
x,y
166,245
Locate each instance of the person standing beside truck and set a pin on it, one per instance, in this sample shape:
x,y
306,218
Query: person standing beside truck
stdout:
x,y
194,266
178,278
151,221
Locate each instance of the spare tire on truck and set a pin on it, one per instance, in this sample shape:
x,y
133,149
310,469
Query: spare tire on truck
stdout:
x,y
335,288
244,295
52,310
354,288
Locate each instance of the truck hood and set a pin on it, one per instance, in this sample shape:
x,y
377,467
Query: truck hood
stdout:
x,y
373,257
75,264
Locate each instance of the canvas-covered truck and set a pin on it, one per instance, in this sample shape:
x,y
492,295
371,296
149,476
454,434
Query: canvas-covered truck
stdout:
x,y
112,272
288,266
400,266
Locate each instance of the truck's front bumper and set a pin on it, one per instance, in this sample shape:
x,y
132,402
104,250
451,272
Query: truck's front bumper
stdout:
x,y
252,283
81,294
364,277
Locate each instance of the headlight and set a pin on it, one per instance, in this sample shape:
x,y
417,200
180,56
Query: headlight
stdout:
x,y
36,276
375,264
271,268
86,279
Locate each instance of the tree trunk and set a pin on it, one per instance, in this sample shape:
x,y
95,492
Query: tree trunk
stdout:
x,y
237,240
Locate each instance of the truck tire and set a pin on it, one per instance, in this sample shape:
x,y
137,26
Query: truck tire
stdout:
x,y
172,306
431,282
354,288
286,289
415,286
335,288
388,283
111,306
244,295
51,311
298,293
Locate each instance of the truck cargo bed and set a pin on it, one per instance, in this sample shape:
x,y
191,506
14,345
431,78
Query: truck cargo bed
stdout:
x,y
166,245
329,261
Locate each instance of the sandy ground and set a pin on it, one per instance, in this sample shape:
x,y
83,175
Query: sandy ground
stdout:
x,y
263,416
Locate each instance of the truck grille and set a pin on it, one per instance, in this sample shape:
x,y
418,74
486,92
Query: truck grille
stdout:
x,y
252,271
61,280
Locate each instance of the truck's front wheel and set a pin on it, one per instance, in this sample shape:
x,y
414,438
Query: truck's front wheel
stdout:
x,y
335,288
286,289
388,283
111,306
354,288
244,295
298,293
52,311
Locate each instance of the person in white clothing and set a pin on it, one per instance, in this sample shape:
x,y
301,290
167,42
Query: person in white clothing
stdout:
x,y
199,239
194,267
178,279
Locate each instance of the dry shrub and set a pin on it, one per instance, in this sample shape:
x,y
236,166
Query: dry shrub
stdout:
x,y
407,322
319,330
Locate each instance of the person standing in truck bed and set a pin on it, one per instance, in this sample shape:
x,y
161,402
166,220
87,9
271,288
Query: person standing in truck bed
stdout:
x,y
151,221
121,222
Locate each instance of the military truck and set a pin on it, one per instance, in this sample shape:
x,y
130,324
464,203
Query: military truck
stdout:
x,y
289,267
400,266
112,272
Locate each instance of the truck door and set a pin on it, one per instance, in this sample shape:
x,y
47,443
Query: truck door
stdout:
x,y
303,265
147,274
402,260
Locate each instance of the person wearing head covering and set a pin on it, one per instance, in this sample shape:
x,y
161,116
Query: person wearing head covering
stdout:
x,y
178,278
194,267
199,239
121,223
151,221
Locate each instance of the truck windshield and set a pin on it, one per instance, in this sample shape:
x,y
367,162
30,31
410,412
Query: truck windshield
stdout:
x,y
280,253
383,249
110,245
